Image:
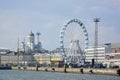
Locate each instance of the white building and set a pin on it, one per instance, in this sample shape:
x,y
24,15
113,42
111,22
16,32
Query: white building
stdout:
x,y
98,54
31,41
31,46
108,54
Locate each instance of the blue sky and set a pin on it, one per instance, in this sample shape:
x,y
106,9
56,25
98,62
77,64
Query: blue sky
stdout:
x,y
19,17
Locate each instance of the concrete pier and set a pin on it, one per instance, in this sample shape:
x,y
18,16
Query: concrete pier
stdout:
x,y
72,70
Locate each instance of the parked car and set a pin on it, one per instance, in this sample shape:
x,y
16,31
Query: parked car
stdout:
x,y
100,65
86,65
115,66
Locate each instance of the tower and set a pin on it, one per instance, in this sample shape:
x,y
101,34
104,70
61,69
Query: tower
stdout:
x,y
39,46
31,40
38,34
96,20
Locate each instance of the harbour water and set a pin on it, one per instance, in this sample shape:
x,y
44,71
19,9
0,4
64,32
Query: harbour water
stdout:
x,y
39,75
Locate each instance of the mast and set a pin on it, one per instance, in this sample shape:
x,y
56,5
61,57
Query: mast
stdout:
x,y
96,20
18,51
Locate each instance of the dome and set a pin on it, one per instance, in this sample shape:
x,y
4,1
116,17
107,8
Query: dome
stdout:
x,y
31,34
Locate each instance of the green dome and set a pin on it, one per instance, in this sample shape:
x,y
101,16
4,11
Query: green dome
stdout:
x,y
31,34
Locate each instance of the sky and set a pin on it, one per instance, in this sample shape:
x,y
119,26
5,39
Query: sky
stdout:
x,y
19,17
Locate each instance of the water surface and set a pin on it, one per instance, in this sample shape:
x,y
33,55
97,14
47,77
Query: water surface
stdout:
x,y
38,75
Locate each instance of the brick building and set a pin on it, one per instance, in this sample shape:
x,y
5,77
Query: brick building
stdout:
x,y
115,47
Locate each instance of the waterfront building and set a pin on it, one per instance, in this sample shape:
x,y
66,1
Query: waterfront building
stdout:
x,y
53,59
108,54
17,60
100,50
115,47
112,59
45,59
42,58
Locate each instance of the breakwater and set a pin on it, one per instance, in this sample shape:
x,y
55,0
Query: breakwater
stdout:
x,y
72,70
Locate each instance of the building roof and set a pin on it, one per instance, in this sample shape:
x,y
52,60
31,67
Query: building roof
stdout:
x,y
31,34
115,45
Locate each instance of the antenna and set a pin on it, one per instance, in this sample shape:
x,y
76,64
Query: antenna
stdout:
x,y
38,34
96,20
23,51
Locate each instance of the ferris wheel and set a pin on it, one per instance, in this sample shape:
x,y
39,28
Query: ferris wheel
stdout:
x,y
73,41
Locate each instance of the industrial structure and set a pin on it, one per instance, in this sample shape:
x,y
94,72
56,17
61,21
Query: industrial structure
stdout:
x,y
96,20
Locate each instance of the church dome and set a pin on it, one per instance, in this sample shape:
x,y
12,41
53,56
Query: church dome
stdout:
x,y
31,34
